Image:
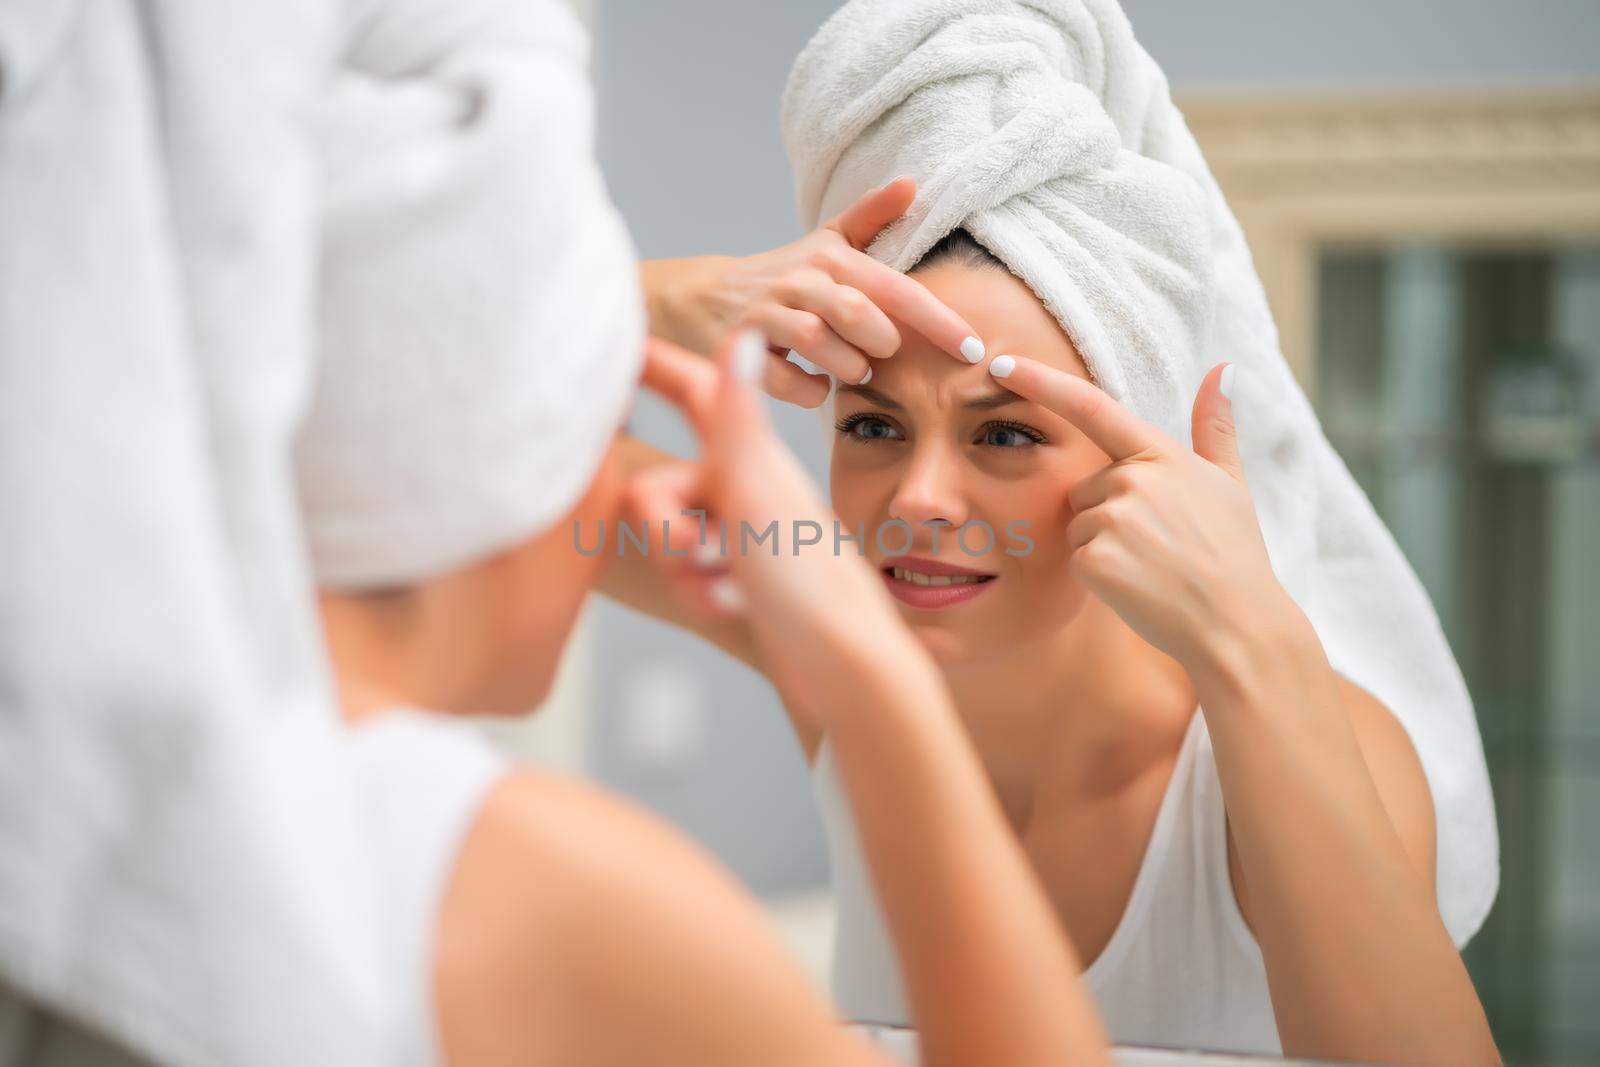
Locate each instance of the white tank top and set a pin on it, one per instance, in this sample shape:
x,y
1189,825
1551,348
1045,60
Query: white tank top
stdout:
x,y
421,778
1181,970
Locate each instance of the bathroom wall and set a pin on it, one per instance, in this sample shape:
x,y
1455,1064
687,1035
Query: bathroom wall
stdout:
x,y
1370,44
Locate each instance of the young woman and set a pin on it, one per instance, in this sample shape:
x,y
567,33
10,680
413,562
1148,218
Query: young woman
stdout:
x,y
1250,848
550,922
1240,841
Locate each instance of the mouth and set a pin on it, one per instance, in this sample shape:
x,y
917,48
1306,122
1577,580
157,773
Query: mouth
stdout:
x,y
931,585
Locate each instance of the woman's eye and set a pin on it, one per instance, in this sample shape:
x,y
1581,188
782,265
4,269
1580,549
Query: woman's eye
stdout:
x,y
868,428
1006,435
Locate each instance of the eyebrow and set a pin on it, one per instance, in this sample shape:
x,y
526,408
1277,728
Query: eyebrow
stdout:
x,y
983,402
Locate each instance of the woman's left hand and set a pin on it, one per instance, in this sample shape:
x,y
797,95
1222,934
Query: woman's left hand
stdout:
x,y
1166,535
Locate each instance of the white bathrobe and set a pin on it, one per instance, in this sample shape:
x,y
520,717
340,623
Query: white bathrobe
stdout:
x,y
182,867
201,203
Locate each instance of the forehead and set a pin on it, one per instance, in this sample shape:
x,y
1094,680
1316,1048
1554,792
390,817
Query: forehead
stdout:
x,y
1004,311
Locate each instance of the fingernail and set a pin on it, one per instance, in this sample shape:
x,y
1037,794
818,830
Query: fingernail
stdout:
x,y
1002,366
865,378
972,350
1226,384
726,594
750,355
891,181
707,556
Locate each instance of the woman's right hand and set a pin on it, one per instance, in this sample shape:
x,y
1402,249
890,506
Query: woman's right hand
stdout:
x,y
821,296
818,613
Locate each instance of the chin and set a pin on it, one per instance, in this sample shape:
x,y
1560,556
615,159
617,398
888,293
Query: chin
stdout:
x,y
947,646
954,641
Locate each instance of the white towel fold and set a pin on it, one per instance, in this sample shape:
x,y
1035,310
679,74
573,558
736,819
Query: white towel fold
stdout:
x,y
182,865
1044,130
481,319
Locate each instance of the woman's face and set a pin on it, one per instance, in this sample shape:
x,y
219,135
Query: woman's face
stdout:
x,y
934,444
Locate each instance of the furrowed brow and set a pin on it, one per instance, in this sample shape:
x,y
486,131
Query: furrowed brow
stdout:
x,y
985,402
874,396
990,401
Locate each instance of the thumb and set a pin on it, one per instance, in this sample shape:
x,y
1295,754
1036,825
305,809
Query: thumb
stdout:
x,y
861,222
1212,426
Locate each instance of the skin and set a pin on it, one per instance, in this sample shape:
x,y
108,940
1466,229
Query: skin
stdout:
x,y
821,296
1149,592
551,948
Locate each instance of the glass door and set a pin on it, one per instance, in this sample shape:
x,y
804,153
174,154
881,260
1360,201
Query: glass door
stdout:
x,y
1462,387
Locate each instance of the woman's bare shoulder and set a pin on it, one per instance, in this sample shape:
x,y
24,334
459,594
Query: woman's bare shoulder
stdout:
x,y
1396,771
571,909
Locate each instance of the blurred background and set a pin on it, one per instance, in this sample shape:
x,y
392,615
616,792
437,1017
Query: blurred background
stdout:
x,y
1419,181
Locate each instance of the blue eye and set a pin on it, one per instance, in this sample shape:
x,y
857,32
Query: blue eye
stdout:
x,y
865,427
1009,435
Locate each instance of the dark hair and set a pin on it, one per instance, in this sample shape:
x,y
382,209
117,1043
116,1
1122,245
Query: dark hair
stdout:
x,y
962,248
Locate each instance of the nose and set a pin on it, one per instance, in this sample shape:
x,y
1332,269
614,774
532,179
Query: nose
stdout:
x,y
930,488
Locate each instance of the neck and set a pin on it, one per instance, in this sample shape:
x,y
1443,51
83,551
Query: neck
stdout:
x,y
374,665
1076,716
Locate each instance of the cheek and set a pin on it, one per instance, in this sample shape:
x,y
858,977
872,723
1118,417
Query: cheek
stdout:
x,y
1038,503
859,492
1035,504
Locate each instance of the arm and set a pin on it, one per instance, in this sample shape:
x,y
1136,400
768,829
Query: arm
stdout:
x,y
990,973
1333,829
1334,850
1398,776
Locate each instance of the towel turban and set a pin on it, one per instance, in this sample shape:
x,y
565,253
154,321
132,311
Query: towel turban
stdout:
x,y
481,328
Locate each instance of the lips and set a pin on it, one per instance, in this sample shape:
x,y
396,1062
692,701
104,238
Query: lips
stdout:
x,y
932,585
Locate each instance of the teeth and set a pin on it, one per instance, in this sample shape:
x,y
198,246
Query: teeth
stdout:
x,y
918,578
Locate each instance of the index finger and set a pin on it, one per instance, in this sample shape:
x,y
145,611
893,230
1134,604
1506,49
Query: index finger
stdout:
x,y
680,377
1118,432
908,300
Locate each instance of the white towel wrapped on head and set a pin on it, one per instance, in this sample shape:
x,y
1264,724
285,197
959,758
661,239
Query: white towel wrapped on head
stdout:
x,y
1044,130
481,326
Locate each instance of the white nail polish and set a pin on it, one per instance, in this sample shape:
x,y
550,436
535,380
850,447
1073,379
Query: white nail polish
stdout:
x,y
707,556
1002,366
1226,382
865,378
726,594
750,355
972,350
